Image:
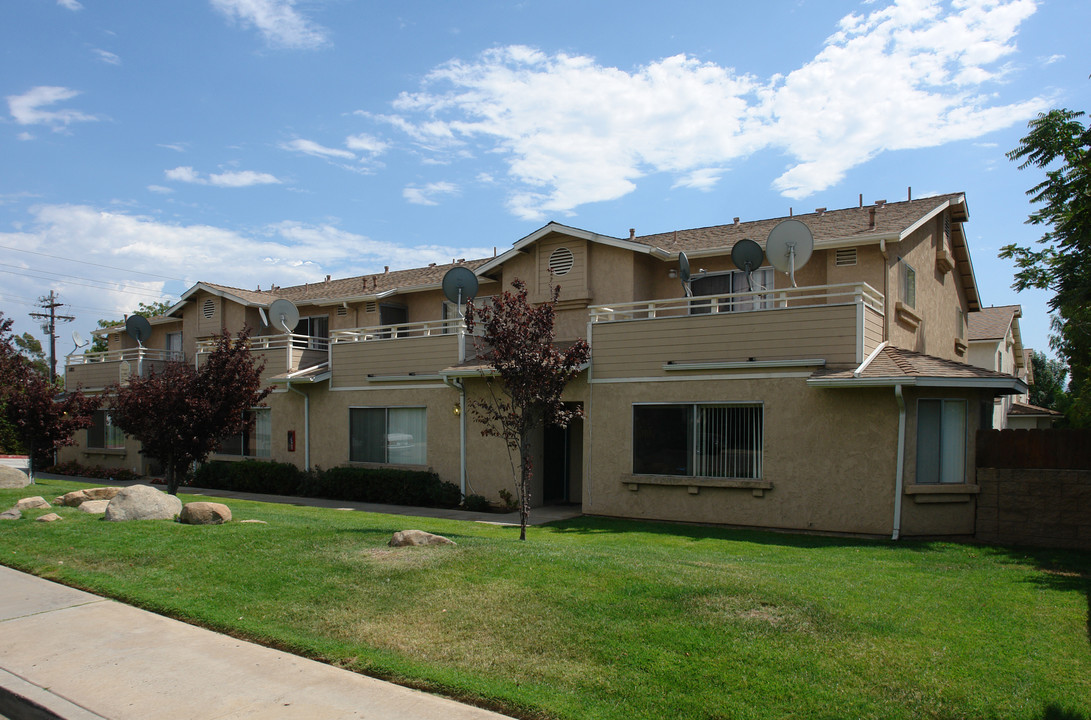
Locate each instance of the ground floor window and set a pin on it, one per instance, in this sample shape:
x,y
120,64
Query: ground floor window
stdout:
x,y
700,440
258,442
941,441
395,435
103,434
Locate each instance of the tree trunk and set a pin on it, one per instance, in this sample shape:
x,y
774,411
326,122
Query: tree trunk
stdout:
x,y
172,476
526,470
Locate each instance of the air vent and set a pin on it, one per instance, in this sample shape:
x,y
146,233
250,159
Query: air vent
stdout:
x,y
560,262
371,306
208,309
342,311
845,257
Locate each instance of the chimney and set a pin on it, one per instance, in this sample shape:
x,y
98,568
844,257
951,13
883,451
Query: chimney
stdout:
x,y
461,260
431,264
871,219
820,211
632,233
386,269
736,221
909,193
789,212
880,203
327,278
861,200
494,251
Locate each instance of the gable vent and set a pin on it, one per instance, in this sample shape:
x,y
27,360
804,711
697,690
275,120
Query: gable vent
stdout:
x,y
342,311
371,306
560,262
208,309
845,257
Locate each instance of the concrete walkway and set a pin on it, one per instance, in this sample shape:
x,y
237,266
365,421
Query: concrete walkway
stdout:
x,y
538,515
65,653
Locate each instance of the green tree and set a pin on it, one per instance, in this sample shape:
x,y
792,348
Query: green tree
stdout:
x,y
1060,143
31,348
1048,388
148,310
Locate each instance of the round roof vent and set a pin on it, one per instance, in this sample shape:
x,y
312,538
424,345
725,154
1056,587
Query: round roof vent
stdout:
x,y
560,262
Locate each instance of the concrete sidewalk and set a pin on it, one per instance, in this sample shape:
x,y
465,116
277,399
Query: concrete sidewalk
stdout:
x,y
65,653
538,515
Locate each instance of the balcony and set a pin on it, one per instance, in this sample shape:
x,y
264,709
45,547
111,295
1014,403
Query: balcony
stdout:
x,y
282,354
836,324
93,371
406,352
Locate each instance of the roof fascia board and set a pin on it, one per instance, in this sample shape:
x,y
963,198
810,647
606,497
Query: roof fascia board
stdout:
x,y
577,233
1013,385
218,293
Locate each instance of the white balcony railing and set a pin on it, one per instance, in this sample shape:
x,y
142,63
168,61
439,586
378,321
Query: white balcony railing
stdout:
x,y
128,355
451,326
814,296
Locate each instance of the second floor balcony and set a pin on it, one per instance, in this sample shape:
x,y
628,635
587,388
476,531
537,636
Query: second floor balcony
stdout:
x,y
405,352
94,371
834,324
282,354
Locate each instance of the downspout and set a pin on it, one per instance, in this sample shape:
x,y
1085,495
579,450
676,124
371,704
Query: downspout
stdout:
x,y
306,425
886,286
899,474
458,385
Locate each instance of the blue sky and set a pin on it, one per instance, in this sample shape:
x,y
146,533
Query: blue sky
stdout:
x,y
250,142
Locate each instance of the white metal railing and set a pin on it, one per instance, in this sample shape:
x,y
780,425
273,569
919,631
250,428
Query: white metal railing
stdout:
x,y
128,354
427,328
801,297
272,342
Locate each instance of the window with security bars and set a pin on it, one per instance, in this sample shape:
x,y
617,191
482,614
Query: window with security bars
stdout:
x,y
698,440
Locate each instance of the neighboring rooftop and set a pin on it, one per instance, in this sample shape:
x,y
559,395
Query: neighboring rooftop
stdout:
x,y
991,323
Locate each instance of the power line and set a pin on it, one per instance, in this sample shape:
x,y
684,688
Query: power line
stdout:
x,y
103,284
65,276
88,262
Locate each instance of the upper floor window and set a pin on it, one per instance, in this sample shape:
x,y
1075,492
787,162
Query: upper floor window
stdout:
x,y
960,324
316,328
733,283
174,346
909,285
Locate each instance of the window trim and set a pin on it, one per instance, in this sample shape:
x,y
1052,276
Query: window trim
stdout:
x,y
939,481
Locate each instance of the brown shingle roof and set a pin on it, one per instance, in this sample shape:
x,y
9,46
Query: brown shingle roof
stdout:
x,y
894,363
895,217
1028,410
991,323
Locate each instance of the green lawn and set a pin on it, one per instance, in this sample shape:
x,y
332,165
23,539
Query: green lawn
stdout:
x,y
596,618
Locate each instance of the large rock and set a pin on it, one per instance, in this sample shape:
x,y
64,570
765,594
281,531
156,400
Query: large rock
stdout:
x,y
13,478
143,502
205,513
48,517
32,503
404,538
78,497
94,507
11,514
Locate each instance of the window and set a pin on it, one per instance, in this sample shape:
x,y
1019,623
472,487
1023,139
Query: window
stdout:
x,y
316,329
395,436
698,440
103,434
960,324
258,442
909,285
174,346
941,441
733,282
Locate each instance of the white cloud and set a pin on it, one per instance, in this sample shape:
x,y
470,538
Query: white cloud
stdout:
x,y
277,20
1052,59
177,147
160,189
309,147
30,107
911,74
366,144
24,136
106,56
70,4
241,178
427,195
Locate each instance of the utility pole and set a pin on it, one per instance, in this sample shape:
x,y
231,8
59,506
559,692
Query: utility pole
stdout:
x,y
49,325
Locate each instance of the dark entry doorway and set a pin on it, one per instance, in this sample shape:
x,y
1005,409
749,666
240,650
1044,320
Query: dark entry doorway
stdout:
x,y
562,463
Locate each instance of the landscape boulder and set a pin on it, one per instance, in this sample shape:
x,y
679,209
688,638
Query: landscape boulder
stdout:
x,y
95,507
32,503
11,514
404,538
143,502
78,497
13,478
205,513
48,517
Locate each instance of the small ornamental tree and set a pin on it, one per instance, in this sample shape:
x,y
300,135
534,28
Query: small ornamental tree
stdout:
x,y
518,344
180,415
33,411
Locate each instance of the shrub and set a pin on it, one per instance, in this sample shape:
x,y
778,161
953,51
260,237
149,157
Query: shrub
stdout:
x,y
476,503
254,476
97,472
508,500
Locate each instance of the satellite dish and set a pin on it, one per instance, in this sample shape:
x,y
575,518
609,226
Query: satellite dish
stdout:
x,y
460,286
264,319
789,247
139,328
284,314
78,340
747,256
684,273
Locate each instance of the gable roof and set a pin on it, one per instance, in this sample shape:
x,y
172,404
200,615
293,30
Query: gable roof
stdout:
x,y
991,323
889,366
